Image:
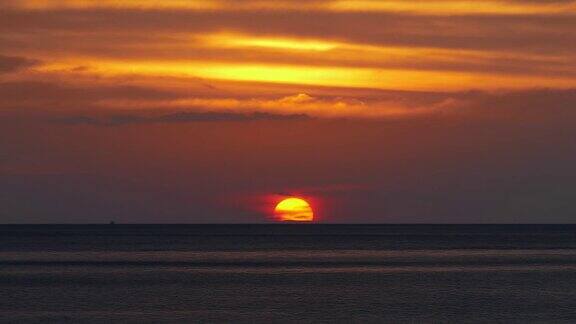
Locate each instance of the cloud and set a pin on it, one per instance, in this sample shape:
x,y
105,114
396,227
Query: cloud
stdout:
x,y
431,7
54,90
223,116
126,104
385,49
15,63
534,104
526,104
542,33
39,96
181,117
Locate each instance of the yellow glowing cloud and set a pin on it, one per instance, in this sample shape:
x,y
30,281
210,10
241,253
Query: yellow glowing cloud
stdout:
x,y
451,6
313,75
136,4
319,52
239,40
425,6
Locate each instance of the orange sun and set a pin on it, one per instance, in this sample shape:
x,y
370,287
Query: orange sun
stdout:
x,y
294,210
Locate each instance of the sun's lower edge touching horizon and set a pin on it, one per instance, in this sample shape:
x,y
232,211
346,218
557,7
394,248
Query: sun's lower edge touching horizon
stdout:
x,y
294,210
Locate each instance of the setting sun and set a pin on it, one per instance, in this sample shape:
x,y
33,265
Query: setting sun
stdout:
x,y
294,210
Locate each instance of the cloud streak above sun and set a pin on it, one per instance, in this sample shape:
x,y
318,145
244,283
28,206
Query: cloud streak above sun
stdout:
x,y
338,57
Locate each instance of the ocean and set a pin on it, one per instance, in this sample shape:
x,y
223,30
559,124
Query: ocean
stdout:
x,y
288,273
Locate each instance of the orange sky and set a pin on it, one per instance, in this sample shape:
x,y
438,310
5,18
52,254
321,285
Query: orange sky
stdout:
x,y
408,108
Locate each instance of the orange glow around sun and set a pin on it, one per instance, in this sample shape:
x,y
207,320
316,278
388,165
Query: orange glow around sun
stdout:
x,y
294,210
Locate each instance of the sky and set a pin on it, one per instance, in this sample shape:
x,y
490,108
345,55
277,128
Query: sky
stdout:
x,y
212,111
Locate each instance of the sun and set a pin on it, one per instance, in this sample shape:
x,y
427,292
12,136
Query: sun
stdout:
x,y
294,210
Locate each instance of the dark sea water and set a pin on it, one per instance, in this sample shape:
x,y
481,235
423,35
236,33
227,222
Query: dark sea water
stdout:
x,y
288,273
